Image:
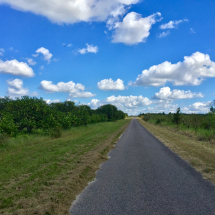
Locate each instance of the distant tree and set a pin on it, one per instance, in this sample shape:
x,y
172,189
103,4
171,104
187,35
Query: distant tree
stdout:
x,y
177,117
109,110
212,108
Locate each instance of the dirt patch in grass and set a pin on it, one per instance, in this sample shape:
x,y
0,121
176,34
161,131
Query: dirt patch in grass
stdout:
x,y
55,195
199,154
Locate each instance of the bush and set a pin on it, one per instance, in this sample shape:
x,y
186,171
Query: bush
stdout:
x,y
28,114
7,124
147,117
159,121
177,117
55,132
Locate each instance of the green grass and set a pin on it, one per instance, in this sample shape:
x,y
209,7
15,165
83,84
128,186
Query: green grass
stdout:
x,y
30,162
198,133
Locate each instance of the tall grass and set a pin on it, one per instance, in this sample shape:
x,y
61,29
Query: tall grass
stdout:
x,y
199,131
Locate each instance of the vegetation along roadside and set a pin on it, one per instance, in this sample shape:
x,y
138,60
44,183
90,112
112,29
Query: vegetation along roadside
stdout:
x,y
199,152
48,152
43,175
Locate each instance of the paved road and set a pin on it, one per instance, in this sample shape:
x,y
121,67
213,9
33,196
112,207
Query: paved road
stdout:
x,y
145,177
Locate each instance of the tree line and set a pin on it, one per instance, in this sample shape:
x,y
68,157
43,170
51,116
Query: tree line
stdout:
x,y
27,114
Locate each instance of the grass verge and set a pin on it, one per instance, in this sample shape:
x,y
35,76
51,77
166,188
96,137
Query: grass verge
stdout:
x,y
200,154
42,175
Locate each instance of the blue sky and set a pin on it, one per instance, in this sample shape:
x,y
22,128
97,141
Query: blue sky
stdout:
x,y
142,56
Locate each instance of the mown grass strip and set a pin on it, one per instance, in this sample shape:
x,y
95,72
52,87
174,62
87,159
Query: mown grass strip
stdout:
x,y
36,171
200,154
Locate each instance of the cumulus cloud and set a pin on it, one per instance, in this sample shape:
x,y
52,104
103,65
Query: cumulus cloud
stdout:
x,y
16,89
45,52
73,11
1,51
49,101
88,49
165,93
164,34
173,24
133,29
31,62
95,103
128,101
128,104
198,107
15,67
166,107
35,55
192,71
109,84
74,90
161,107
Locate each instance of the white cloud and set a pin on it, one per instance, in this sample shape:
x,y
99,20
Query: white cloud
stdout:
x,y
45,52
35,55
90,48
74,90
133,29
109,84
173,24
69,45
191,71
192,31
128,104
165,93
49,101
31,61
41,67
15,67
198,107
16,89
164,34
161,107
1,51
128,101
95,103
73,11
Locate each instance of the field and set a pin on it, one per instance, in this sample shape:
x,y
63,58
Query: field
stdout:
x,y
199,126
43,175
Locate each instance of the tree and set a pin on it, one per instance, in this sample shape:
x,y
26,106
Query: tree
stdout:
x,y
212,109
109,110
177,117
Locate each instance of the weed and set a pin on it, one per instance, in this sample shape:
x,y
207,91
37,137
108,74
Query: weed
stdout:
x,y
35,167
56,132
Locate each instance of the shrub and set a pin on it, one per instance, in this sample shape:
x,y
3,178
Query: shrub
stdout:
x,y
177,117
7,124
55,132
158,121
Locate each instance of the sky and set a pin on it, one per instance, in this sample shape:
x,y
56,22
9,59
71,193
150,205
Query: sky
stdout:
x,y
139,55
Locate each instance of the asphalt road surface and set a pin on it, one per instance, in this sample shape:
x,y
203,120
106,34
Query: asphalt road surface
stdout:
x,y
145,177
